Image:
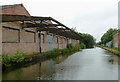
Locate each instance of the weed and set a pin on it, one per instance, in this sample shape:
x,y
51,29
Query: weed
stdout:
x,y
18,56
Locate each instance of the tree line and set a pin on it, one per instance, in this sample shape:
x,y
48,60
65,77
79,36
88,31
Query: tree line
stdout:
x,y
88,41
108,36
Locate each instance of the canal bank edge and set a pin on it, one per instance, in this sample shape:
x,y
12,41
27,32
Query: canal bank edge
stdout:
x,y
33,58
116,52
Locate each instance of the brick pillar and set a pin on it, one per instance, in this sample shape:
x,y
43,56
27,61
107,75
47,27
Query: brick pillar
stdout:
x,y
0,39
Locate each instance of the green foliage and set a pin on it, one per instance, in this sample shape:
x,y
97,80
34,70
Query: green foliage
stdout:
x,y
83,46
108,36
6,60
0,59
69,46
54,52
88,41
18,57
76,48
114,50
98,43
111,45
28,59
66,50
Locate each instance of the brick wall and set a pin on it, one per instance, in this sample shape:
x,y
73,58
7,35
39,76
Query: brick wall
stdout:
x,y
25,40
119,41
115,40
27,37
18,39
10,35
74,42
56,45
43,42
17,10
25,45
62,42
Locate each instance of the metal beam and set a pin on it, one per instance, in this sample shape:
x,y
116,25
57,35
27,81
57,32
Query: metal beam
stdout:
x,y
50,29
13,18
38,25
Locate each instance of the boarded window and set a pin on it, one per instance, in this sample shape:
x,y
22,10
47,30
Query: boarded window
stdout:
x,y
29,36
10,35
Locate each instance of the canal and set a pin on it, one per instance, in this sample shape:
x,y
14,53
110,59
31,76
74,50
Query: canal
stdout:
x,y
88,64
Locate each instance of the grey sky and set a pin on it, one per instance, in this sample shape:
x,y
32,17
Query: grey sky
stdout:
x,y
88,16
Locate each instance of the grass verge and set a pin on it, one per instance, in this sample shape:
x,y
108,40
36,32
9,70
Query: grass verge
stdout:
x,y
113,50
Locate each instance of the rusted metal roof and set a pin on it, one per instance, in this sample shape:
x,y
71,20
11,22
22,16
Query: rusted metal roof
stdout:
x,y
30,22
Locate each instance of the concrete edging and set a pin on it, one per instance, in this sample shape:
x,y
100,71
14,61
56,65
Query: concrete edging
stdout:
x,y
110,50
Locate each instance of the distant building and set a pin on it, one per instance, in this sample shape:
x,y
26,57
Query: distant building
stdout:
x,y
109,44
116,40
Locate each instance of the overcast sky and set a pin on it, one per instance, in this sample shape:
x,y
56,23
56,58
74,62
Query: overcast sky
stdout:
x,y
94,17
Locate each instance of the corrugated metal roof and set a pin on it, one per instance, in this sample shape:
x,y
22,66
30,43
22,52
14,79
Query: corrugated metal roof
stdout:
x,y
9,6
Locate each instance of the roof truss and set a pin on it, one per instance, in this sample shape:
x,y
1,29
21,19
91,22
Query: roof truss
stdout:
x,y
30,21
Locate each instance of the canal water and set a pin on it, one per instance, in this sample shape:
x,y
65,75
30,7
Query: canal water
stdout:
x,y
88,64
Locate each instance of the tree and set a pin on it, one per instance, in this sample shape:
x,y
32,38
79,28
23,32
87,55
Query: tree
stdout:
x,y
98,43
89,40
108,36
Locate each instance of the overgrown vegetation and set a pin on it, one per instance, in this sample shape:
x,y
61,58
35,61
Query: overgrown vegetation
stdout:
x,y
19,56
88,41
108,36
114,50
16,58
82,45
69,49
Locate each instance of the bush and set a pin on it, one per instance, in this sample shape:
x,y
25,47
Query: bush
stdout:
x,y
54,52
82,45
18,57
64,51
69,49
6,60
69,46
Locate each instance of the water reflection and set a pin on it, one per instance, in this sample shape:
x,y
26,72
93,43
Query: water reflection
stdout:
x,y
111,58
88,64
42,70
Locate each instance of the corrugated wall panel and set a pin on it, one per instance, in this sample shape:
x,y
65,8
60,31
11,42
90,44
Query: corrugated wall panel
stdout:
x,y
70,41
50,42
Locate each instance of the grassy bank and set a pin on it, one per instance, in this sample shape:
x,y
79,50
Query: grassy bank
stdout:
x,y
20,58
113,50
